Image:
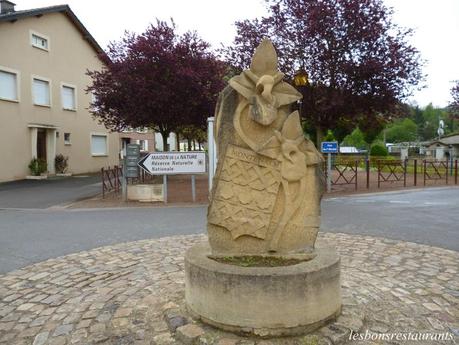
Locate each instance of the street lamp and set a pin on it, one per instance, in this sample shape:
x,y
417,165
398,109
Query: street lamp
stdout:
x,y
301,81
301,78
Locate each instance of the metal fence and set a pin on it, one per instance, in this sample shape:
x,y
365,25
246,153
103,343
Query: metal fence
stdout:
x,y
111,179
379,172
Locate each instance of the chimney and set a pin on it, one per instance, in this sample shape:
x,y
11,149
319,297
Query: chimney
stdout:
x,y
6,7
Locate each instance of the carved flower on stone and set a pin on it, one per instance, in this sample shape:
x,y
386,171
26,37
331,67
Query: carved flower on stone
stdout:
x,y
285,146
263,87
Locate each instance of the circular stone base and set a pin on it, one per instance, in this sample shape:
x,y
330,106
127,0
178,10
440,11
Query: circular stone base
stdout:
x,y
265,301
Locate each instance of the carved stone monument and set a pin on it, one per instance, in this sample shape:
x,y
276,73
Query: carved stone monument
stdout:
x,y
264,211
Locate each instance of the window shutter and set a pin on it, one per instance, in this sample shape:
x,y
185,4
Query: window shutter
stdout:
x,y
41,92
99,145
68,97
8,85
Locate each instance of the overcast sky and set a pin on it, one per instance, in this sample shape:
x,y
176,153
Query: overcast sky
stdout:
x,y
436,24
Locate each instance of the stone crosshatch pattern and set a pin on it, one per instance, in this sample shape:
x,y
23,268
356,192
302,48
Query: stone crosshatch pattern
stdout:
x,y
246,193
119,294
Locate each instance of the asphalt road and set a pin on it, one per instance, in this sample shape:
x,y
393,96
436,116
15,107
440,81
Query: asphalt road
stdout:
x,y
429,216
46,193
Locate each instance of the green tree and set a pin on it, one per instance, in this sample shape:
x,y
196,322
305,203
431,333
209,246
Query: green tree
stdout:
x,y
356,139
402,130
329,136
378,150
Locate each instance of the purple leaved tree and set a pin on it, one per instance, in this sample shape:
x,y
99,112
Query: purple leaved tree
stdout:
x,y
158,79
360,64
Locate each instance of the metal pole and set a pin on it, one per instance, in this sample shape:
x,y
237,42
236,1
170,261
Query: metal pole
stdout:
x,y
425,167
415,172
367,168
455,172
124,181
165,188
329,173
211,149
447,172
356,173
405,163
103,183
193,187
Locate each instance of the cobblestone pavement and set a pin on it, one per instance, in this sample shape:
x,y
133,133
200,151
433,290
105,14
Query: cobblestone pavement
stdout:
x,y
132,293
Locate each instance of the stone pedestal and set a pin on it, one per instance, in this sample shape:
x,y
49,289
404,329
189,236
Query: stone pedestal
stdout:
x,y
264,301
145,192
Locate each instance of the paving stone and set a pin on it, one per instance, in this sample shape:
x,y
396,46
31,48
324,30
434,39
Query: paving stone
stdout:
x,y
79,336
63,330
6,326
61,340
39,321
97,328
25,306
83,324
336,334
120,322
189,334
123,312
41,338
132,293
164,339
39,276
175,321
227,341
350,322
432,306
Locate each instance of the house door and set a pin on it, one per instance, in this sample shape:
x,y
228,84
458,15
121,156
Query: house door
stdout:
x,y
41,144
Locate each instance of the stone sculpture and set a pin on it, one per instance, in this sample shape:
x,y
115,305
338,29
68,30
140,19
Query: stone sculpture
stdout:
x,y
267,188
264,211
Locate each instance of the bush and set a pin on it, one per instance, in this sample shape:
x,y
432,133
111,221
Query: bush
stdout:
x,y
379,151
37,166
61,163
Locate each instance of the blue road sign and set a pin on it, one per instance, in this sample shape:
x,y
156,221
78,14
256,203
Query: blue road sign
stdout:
x,y
329,147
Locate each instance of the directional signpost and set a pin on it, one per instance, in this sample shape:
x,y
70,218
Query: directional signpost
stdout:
x,y
173,163
131,159
329,147
130,168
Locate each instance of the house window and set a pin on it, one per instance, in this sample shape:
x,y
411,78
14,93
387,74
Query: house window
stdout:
x,y
99,145
39,41
143,145
68,95
40,90
9,86
67,139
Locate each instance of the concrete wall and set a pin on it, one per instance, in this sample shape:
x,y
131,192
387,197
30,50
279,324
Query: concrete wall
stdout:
x,y
171,141
67,60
